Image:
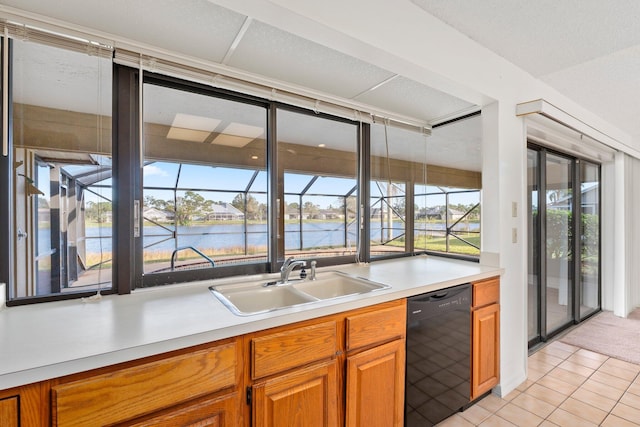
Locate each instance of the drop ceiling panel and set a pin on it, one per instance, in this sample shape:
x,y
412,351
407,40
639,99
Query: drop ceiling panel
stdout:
x,y
280,55
198,28
413,99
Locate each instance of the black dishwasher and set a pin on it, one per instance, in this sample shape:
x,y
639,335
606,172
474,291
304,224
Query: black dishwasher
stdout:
x,y
438,355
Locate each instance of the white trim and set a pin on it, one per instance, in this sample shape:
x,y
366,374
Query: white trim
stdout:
x,y
559,137
539,108
5,93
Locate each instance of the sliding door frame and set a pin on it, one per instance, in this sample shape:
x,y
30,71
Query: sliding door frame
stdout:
x,y
575,285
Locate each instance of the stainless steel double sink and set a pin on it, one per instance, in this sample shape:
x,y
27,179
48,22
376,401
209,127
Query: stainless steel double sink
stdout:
x,y
249,298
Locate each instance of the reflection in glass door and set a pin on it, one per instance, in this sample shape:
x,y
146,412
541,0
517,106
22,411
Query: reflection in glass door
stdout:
x,y
559,206
533,278
564,242
589,250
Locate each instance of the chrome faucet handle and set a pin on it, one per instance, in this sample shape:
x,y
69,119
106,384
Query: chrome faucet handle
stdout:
x,y
312,275
287,261
288,267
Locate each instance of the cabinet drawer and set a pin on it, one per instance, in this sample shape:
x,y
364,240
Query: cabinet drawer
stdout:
x,y
138,390
486,292
284,350
376,326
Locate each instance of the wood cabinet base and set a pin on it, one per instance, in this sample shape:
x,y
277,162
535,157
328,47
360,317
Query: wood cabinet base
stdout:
x,y
485,320
375,386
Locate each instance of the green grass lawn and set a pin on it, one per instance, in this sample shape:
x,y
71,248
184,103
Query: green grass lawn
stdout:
x,y
439,244
455,245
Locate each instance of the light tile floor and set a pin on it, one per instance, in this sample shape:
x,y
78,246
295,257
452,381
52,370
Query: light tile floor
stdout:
x,y
568,387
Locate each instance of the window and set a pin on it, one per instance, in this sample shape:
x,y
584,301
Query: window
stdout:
x,y
204,181
424,189
447,220
397,160
61,178
317,157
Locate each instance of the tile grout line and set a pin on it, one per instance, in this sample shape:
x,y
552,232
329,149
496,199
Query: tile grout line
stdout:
x,y
621,396
565,359
617,401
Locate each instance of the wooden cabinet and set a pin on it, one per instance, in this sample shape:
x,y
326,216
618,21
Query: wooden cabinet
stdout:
x,y
485,332
295,375
198,387
375,386
375,367
298,371
305,397
337,370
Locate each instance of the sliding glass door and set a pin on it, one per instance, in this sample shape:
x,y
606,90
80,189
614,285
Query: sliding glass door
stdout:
x,y
564,241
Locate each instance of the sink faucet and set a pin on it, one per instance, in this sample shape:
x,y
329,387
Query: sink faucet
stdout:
x,y
288,267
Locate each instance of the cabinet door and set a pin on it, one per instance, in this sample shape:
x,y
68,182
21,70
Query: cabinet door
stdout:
x,y
485,367
375,386
9,412
305,397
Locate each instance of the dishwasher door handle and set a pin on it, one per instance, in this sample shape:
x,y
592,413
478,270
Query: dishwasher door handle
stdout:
x,y
428,298
438,296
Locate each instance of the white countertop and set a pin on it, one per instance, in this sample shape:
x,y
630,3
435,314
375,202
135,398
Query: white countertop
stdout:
x,y
48,340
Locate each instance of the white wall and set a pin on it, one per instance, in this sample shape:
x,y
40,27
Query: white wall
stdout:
x,y
502,158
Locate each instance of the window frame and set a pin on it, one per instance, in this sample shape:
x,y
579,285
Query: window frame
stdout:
x,y
279,222
7,216
159,279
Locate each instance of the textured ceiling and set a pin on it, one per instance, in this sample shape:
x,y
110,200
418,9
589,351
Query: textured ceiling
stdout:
x,y
589,50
